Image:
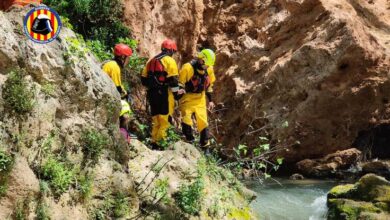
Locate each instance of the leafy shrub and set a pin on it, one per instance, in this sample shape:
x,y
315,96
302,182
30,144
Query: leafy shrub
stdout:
x,y
17,95
189,196
99,50
58,175
93,143
85,186
172,137
160,191
95,20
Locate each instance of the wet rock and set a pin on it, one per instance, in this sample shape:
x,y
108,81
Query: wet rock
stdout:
x,y
381,167
369,197
297,176
330,164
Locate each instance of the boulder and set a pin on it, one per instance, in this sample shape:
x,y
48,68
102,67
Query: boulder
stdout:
x,y
369,197
329,164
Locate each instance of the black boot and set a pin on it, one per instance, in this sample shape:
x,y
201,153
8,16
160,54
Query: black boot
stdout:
x,y
204,137
187,131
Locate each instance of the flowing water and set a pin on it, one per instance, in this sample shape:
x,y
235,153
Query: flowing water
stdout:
x,y
291,199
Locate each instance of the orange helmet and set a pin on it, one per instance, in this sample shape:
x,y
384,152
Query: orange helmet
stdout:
x,y
169,45
122,50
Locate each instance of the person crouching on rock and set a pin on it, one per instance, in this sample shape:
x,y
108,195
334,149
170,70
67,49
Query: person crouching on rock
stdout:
x,y
198,77
160,78
122,54
124,120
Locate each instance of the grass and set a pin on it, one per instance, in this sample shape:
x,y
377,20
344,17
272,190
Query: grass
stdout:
x,y
17,95
93,142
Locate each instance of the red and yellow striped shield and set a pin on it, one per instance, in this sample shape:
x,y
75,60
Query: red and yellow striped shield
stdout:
x,y
42,25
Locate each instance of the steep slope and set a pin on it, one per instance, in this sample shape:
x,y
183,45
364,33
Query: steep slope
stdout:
x,y
61,153
310,74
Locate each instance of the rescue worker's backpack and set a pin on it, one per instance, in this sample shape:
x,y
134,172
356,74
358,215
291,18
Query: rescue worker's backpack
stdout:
x,y
156,72
198,82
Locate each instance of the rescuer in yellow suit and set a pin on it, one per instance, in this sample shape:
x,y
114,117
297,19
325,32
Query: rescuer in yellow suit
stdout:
x,y
122,54
160,77
198,78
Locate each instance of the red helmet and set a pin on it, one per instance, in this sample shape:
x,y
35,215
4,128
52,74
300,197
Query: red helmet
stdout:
x,y
169,45
122,50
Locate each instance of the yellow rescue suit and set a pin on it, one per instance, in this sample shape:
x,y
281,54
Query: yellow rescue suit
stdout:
x,y
162,107
113,70
194,103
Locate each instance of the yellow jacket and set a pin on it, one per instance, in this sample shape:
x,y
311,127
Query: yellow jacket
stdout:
x,y
185,75
113,70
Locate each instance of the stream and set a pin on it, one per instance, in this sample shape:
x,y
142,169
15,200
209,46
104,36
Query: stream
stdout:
x,y
291,199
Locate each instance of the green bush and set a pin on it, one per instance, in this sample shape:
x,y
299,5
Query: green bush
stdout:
x,y
95,20
93,142
17,95
189,196
58,175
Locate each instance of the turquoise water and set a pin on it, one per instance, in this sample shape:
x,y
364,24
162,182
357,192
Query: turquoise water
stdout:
x,y
291,199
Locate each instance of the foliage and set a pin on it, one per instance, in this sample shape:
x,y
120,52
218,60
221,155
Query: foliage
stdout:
x,y
256,159
93,143
99,50
58,175
85,185
17,95
160,191
121,205
95,20
189,196
116,206
6,163
172,138
77,49
19,212
48,89
42,211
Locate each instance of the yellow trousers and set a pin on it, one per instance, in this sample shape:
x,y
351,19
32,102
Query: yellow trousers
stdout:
x,y
190,104
160,123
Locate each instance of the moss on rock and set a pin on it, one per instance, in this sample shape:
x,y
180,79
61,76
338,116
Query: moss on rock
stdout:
x,y
341,191
369,198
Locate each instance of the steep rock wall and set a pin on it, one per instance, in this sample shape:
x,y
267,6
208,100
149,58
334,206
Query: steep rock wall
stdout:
x,y
320,67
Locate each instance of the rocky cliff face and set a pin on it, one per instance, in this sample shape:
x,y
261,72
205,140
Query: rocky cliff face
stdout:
x,y
61,154
311,74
